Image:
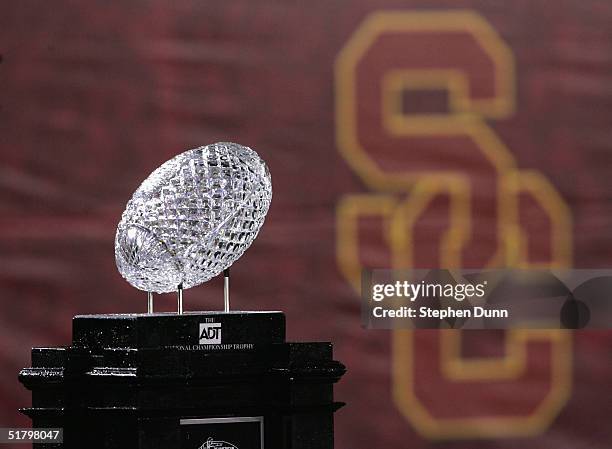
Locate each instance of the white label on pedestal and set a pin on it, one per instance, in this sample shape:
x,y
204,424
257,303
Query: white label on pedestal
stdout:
x,y
237,432
210,334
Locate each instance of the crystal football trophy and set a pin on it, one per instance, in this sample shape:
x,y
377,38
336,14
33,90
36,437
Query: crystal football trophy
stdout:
x,y
187,380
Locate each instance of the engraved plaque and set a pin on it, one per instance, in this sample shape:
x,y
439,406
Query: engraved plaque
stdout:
x,y
244,432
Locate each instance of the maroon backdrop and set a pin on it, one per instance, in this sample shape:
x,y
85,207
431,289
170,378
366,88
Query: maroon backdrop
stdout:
x,y
95,95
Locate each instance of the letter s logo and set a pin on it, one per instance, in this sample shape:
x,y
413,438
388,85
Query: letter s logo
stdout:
x,y
445,180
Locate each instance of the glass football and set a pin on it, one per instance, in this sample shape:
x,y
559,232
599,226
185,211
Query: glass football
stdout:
x,y
193,217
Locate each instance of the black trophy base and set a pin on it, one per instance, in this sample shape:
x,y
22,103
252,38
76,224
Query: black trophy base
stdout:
x,y
191,381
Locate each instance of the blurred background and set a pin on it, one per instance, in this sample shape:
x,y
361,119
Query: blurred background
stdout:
x,y
398,133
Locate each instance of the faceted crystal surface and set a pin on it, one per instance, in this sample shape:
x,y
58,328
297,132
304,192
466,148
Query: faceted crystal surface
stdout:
x,y
193,217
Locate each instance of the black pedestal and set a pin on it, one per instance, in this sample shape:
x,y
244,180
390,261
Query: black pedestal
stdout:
x,y
198,380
